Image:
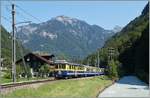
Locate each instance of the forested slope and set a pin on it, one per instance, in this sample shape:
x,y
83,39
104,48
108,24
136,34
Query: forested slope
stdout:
x,y
131,48
6,48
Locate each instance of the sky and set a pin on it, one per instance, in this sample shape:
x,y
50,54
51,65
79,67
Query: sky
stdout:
x,y
106,14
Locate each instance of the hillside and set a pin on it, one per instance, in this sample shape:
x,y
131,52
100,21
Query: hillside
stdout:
x,y
64,36
6,47
141,55
131,55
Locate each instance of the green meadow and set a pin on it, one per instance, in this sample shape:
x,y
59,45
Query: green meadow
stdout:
x,y
63,88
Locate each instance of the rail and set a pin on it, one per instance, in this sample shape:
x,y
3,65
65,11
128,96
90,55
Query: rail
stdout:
x,y
3,86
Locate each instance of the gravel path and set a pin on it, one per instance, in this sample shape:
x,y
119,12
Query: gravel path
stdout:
x,y
128,86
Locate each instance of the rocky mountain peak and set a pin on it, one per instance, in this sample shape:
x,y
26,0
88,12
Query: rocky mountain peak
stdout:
x,y
65,19
64,35
117,29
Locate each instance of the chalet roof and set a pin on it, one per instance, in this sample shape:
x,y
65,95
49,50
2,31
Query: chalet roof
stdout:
x,y
42,58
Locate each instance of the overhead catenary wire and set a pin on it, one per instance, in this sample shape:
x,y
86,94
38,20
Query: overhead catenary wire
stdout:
x,y
22,17
23,10
13,41
21,13
17,13
18,42
9,10
8,20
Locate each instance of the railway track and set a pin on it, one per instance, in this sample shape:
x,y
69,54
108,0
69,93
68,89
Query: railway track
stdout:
x,y
18,84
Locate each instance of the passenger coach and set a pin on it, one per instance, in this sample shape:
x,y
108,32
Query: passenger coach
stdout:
x,y
64,69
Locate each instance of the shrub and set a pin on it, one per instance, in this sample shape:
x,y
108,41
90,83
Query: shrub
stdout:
x,y
112,69
7,75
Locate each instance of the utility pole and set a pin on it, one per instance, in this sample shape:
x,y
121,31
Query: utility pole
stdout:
x,y
13,45
111,51
98,59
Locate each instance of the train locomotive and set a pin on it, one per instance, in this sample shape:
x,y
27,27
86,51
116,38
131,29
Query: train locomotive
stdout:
x,y
64,69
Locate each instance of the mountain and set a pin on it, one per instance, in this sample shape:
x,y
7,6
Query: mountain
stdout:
x,y
63,36
131,48
6,48
117,29
141,59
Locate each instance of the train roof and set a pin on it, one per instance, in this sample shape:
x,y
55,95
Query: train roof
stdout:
x,y
65,62
68,63
76,64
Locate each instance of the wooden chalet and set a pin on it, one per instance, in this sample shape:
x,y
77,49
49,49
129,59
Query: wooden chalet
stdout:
x,y
35,61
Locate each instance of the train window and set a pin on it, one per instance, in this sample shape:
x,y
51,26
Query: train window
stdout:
x,y
64,66
75,67
82,68
59,66
56,66
78,68
69,66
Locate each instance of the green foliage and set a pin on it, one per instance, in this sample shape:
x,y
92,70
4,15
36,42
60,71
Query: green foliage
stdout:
x,y
141,56
86,88
131,48
7,75
112,69
23,70
27,71
7,62
19,70
44,70
6,47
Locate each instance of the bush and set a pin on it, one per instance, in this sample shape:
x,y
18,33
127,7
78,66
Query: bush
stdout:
x,y
7,75
44,70
112,70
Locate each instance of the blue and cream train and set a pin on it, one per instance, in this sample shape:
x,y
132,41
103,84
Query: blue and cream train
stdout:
x,y
65,69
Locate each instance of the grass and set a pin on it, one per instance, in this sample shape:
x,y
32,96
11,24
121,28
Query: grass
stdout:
x,y
5,80
64,88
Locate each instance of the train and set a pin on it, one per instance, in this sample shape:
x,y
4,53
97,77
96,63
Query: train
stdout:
x,y
64,69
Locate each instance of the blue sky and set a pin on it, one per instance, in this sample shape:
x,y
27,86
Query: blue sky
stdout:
x,y
106,14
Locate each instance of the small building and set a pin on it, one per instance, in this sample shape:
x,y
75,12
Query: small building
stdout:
x,y
35,61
